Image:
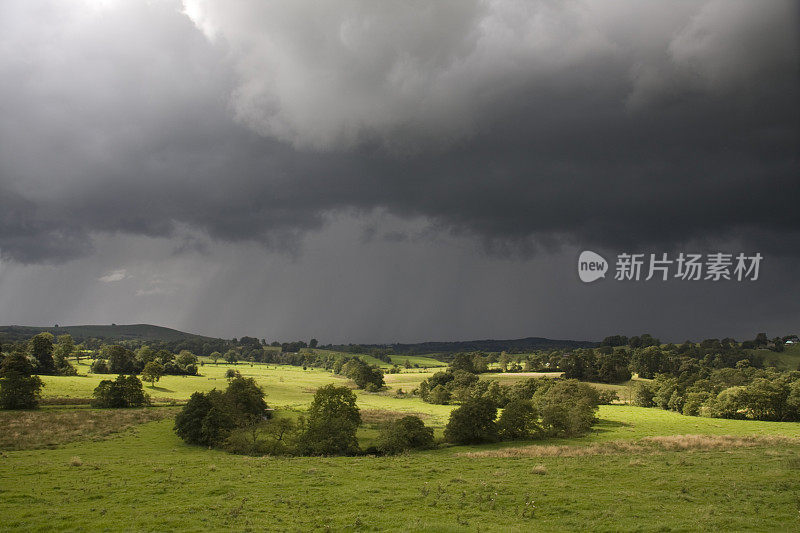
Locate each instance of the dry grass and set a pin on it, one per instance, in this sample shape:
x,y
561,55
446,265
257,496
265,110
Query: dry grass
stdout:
x,y
382,416
645,445
25,430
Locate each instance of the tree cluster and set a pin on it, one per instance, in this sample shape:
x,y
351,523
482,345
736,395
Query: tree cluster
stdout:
x,y
539,408
742,392
125,391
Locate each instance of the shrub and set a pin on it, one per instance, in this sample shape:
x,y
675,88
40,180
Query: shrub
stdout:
x,y
518,420
472,423
407,433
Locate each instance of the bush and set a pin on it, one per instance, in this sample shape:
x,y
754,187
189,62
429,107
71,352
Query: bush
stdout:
x,y
518,420
123,392
407,433
472,423
567,407
19,389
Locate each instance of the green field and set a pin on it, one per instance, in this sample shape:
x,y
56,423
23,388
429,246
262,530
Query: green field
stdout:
x,y
147,479
744,475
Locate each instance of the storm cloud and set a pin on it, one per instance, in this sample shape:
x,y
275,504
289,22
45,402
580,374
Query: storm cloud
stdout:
x,y
526,128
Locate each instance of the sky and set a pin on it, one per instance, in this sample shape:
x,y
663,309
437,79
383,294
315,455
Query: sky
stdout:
x,y
399,171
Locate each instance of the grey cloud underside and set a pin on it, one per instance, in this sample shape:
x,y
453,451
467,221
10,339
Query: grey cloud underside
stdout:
x,y
611,150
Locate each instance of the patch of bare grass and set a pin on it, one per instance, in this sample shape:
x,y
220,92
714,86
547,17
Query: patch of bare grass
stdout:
x,y
46,428
641,446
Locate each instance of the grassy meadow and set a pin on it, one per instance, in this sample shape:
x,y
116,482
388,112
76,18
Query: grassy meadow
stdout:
x,y
78,468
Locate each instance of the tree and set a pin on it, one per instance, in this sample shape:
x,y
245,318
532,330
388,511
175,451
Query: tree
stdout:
x,y
245,401
120,359
63,350
189,421
231,357
333,419
100,366
518,420
152,372
125,391
41,349
463,361
472,423
567,407
144,355
407,433
313,343
364,375
19,389
215,356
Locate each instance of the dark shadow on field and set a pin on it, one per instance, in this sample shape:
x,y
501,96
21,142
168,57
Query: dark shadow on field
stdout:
x,y
604,426
160,389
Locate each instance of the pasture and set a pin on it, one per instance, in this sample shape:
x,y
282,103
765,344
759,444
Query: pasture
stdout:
x,y
77,468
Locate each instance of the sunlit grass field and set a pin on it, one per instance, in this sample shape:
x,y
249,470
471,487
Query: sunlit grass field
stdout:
x,y
142,477
147,479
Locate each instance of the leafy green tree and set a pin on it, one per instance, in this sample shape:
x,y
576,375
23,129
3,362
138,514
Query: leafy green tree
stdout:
x,y
231,357
518,420
215,356
729,403
100,366
333,419
363,374
472,423
41,349
643,395
567,407
125,391
63,350
120,359
440,395
189,421
152,372
145,355
19,389
463,361
245,401
407,433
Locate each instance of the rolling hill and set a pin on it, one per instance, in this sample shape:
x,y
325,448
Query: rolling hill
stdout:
x,y
113,332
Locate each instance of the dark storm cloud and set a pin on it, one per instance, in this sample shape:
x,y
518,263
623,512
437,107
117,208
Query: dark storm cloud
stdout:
x,y
525,125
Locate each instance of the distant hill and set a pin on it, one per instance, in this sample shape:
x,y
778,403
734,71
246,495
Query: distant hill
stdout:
x,y
144,332
487,345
